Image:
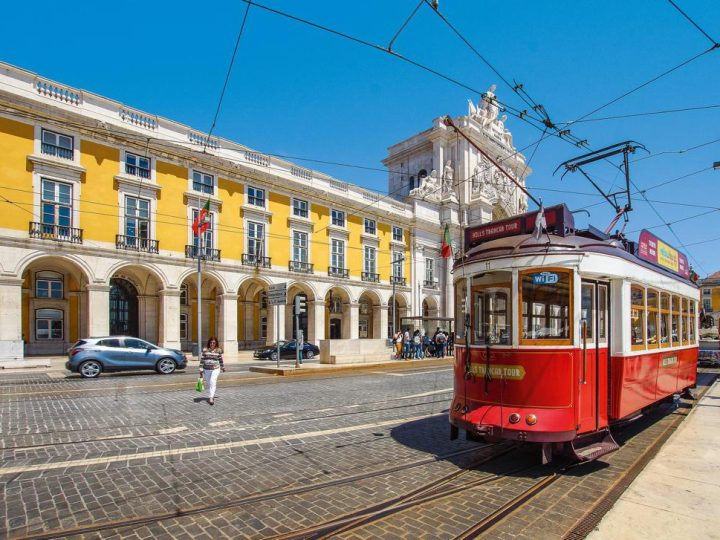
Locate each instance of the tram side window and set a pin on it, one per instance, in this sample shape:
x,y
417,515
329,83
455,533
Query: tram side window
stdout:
x,y
637,317
685,321
587,308
602,312
491,311
692,321
545,300
675,320
664,319
652,318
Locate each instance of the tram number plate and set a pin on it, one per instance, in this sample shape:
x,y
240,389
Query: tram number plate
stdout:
x,y
545,278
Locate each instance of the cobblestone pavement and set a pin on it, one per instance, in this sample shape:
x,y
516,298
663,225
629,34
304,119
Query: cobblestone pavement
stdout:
x,y
141,457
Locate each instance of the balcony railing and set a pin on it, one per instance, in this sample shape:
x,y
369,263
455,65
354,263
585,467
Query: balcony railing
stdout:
x,y
191,252
397,280
370,276
137,171
57,151
430,284
335,271
249,259
134,243
61,233
300,266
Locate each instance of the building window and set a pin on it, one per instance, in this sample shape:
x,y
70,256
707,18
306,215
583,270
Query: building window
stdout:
x,y
369,260
397,234
337,218
183,327
207,236
370,226
430,271
56,144
337,255
256,197
706,292
57,207
137,218
707,304
397,267
300,208
184,298
203,183
48,285
256,239
300,246
48,324
137,165
263,300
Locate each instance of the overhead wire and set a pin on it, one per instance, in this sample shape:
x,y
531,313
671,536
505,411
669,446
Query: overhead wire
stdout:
x,y
696,25
650,113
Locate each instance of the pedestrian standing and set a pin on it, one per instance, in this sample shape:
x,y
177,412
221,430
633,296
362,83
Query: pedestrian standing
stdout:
x,y
398,342
408,344
440,340
211,364
417,344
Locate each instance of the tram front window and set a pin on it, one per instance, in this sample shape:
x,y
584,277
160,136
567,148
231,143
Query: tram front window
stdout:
x,y
491,309
545,300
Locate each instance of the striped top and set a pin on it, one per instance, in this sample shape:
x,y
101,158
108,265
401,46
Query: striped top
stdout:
x,y
212,358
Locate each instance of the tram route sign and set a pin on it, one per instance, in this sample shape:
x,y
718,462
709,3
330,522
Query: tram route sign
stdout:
x,y
655,251
277,294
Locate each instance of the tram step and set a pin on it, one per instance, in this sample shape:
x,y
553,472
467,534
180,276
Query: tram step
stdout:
x,y
594,445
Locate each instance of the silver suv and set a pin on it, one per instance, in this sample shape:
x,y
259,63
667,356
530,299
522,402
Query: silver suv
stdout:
x,y
91,356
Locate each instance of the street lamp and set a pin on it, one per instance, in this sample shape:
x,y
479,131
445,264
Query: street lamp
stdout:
x,y
392,281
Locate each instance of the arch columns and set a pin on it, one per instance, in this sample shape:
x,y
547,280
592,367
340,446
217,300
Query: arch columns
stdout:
x,y
351,321
11,338
317,328
380,321
98,310
169,324
227,325
274,332
148,320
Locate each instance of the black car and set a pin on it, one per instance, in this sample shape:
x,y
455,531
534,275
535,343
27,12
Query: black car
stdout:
x,y
287,350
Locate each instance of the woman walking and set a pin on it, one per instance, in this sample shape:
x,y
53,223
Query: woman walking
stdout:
x,y
211,363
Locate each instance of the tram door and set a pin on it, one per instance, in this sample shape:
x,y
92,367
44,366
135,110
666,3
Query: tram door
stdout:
x,y
594,356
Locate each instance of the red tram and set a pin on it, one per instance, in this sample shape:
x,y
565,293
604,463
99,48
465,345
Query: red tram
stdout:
x,y
561,337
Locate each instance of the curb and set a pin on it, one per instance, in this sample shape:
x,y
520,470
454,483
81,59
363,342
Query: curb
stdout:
x,y
317,369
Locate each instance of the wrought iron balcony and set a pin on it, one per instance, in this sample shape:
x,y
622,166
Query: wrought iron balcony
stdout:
x,y
250,259
430,284
191,252
335,271
61,233
137,171
134,243
57,151
397,280
370,276
300,266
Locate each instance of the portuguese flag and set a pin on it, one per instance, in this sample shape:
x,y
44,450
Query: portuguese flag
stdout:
x,y
202,222
445,248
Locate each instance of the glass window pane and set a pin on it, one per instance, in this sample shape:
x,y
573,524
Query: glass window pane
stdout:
x,y
56,289
549,295
587,308
602,312
42,289
49,137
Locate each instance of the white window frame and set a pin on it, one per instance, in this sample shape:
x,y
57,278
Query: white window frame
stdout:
x,y
297,208
430,270
293,247
50,277
395,229
203,176
56,202
334,214
137,167
49,326
373,259
707,304
184,326
367,222
209,232
252,238
252,197
398,269
57,135
137,217
337,255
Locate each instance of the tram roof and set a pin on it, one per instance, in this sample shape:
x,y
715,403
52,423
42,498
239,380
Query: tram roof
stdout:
x,y
581,241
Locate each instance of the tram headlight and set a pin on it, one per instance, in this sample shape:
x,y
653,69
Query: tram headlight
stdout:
x,y
514,418
531,419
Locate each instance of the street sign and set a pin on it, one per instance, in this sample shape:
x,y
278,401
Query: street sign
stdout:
x,y
277,294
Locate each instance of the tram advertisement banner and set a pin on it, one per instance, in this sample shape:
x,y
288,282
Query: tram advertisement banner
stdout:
x,y
654,250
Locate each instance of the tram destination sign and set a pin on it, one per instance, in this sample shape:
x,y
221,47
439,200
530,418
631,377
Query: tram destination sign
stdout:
x,y
655,251
558,218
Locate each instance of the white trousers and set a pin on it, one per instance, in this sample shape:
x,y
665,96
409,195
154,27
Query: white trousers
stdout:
x,y
211,377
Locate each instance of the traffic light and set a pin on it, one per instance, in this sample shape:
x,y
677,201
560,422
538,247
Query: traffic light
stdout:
x,y
300,305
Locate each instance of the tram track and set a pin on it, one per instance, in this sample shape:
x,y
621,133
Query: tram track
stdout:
x,y
487,453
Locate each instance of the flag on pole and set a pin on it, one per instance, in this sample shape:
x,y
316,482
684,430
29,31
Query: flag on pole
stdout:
x,y
202,222
446,248
540,223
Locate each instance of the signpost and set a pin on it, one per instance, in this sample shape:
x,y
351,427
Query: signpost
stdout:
x,y
277,296
299,308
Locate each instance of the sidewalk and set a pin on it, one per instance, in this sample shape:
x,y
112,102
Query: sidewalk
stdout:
x,y
678,492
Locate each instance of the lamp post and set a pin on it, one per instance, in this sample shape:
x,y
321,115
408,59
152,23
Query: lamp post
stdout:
x,y
392,281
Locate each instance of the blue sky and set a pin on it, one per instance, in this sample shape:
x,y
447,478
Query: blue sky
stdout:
x,y
300,92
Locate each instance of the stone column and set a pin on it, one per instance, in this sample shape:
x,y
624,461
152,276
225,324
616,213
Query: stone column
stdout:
x,y
169,324
380,322
316,321
11,338
98,310
274,333
227,324
148,317
351,321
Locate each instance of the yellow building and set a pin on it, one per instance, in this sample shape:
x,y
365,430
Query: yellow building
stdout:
x,y
97,203
710,288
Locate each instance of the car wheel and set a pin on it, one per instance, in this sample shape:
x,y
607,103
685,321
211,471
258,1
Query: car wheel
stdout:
x,y
166,366
274,356
90,369
309,355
